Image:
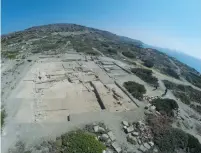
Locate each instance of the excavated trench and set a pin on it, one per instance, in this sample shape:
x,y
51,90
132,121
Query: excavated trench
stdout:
x,y
100,101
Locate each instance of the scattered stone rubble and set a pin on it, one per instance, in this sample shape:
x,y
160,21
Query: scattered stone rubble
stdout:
x,y
139,135
151,110
149,99
106,136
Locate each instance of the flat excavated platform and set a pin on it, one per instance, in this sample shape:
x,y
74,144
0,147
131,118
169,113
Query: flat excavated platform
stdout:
x,y
51,91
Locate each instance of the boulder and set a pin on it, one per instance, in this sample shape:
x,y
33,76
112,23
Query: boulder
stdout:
x,y
158,113
104,137
109,151
130,129
125,127
100,129
151,143
125,123
155,150
131,139
152,108
116,147
147,112
140,123
96,128
142,148
104,151
111,136
147,106
139,141
135,133
147,145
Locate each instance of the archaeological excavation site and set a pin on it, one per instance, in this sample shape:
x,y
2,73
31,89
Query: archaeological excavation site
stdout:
x,y
67,88
58,88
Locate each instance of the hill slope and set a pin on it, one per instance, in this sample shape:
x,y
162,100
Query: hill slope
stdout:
x,y
187,59
55,38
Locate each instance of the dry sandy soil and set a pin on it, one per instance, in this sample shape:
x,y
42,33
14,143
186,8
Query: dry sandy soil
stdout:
x,y
40,94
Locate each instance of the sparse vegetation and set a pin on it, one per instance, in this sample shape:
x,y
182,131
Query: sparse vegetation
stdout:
x,y
80,141
196,107
198,128
92,52
148,63
137,90
72,142
128,54
171,73
166,106
10,55
182,96
3,115
170,139
145,75
185,93
193,78
111,51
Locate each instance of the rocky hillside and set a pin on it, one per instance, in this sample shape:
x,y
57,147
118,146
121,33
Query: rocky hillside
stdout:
x,y
56,38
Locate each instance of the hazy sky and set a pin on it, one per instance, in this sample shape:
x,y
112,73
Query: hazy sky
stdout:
x,y
174,24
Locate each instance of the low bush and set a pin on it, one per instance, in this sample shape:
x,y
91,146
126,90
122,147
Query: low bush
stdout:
x,y
81,142
92,52
3,115
111,51
185,93
166,106
73,142
137,90
170,139
171,73
182,96
196,108
11,56
193,78
128,54
145,75
148,63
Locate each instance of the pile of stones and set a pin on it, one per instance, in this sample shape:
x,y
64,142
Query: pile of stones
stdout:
x,y
150,110
106,136
149,99
139,135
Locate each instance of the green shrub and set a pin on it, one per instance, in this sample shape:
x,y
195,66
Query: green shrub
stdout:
x,y
193,78
148,63
171,73
111,51
128,54
11,56
182,96
185,93
3,115
166,106
145,75
137,90
92,52
105,44
169,139
196,108
81,142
